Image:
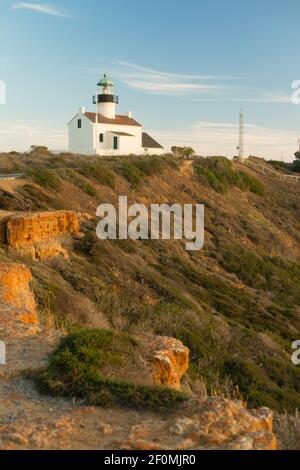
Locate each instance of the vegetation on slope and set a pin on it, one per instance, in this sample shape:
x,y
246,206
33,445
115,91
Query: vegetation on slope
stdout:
x,y
80,365
235,304
221,176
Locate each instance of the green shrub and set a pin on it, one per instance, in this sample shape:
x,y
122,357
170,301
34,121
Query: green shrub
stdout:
x,y
133,175
80,364
78,181
258,388
221,176
252,184
100,173
46,178
149,166
135,170
274,274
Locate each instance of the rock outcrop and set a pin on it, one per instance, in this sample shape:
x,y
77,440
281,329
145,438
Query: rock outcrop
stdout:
x,y
169,360
217,424
18,315
37,234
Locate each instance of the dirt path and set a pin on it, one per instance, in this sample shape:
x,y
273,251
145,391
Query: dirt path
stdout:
x,y
12,185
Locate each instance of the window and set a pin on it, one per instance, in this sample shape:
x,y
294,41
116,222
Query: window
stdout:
x,y
79,123
101,138
116,143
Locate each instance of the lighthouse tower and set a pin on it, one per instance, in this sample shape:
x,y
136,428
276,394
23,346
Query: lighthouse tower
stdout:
x,y
106,100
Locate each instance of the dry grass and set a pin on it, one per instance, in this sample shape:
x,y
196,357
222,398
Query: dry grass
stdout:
x,y
287,430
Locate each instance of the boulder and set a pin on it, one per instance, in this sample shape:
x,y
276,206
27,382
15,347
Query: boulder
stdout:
x,y
169,360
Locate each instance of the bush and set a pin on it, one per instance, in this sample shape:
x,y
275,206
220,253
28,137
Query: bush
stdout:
x,y
149,166
252,184
274,274
220,175
257,387
133,175
78,181
99,173
80,364
39,151
135,170
46,178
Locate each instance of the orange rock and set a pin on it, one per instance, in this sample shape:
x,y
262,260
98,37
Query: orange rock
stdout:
x,y
22,230
169,359
216,424
16,299
44,250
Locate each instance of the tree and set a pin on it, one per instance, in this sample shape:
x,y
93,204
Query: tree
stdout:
x,y
188,152
296,163
183,152
176,151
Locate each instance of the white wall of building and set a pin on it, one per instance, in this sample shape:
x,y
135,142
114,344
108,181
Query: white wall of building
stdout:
x,y
86,139
81,140
127,145
155,151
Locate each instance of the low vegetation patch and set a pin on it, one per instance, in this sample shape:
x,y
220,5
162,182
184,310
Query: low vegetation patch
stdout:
x,y
73,177
81,364
277,275
99,173
46,178
260,389
220,175
135,170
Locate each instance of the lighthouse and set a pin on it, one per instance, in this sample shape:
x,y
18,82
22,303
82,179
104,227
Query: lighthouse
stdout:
x,y
105,99
104,132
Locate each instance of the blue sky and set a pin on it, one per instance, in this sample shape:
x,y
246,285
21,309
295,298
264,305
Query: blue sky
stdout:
x,y
183,68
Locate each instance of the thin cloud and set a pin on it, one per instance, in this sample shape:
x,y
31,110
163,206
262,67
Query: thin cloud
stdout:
x,y
175,76
170,88
279,97
165,83
40,8
192,88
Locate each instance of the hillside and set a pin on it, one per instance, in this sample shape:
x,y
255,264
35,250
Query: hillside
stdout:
x,y
235,304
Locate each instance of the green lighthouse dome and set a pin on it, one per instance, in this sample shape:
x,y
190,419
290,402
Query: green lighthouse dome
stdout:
x,y
106,81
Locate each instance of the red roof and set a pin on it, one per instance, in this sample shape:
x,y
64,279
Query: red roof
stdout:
x,y
119,120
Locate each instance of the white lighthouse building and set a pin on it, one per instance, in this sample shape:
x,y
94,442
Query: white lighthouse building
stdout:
x,y
104,132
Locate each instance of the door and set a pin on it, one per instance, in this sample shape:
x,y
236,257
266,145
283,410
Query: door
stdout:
x,y
116,143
